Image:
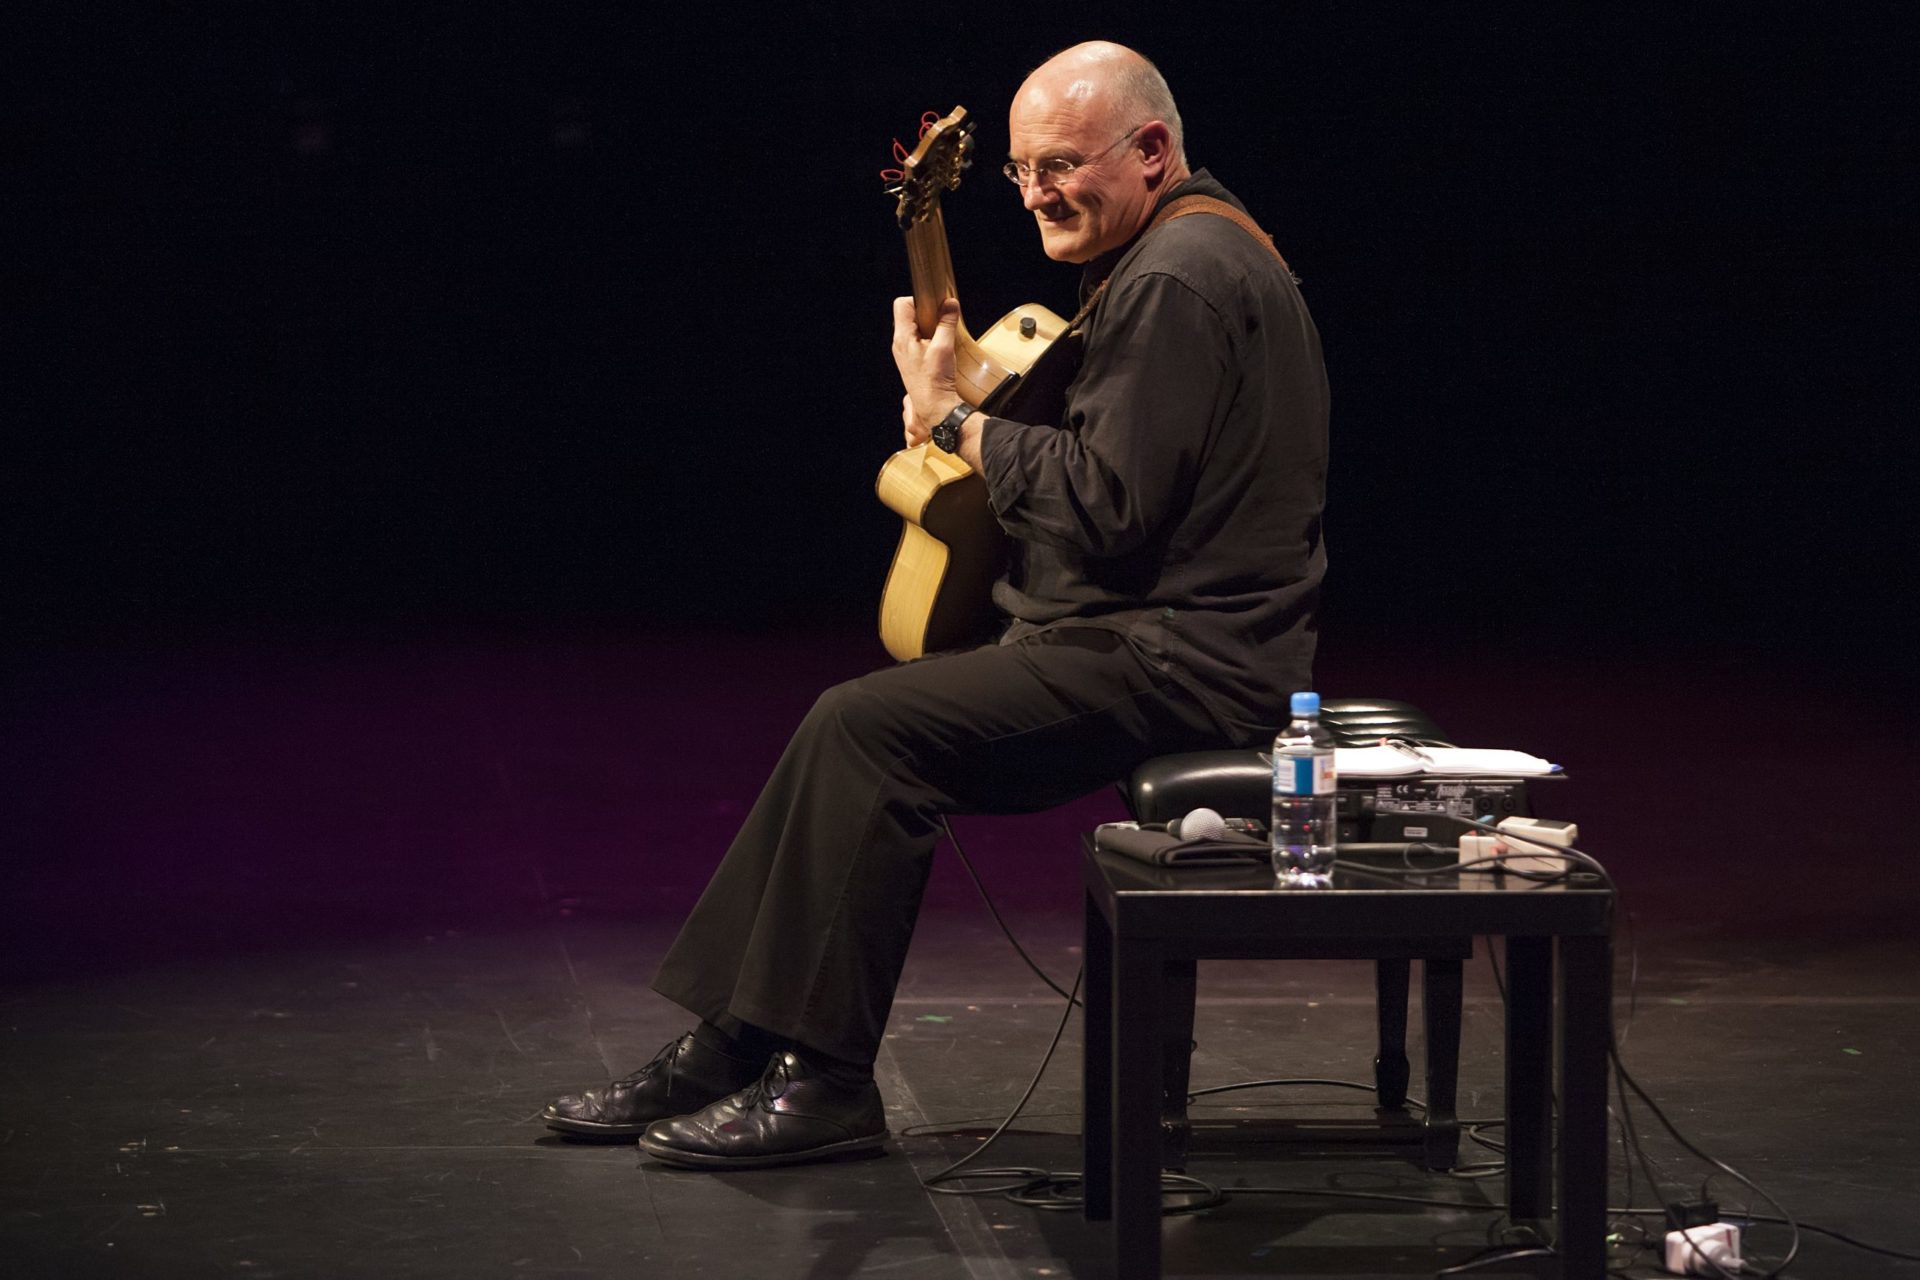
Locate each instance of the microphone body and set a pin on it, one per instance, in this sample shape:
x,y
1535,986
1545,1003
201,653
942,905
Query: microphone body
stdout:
x,y
1201,824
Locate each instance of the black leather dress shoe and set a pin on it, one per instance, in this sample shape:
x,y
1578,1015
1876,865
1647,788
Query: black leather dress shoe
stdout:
x,y
682,1078
790,1115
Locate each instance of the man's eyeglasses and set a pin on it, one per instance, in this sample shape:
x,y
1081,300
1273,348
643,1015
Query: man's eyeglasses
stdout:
x,y
1058,169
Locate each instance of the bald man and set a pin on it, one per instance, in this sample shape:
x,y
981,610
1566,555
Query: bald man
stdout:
x,y
1160,597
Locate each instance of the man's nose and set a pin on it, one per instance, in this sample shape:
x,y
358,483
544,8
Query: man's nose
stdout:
x,y
1038,191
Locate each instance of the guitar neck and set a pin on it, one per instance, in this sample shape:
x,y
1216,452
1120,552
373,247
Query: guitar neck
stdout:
x,y
931,266
980,367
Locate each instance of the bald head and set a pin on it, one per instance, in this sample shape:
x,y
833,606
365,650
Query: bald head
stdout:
x,y
1095,137
1107,83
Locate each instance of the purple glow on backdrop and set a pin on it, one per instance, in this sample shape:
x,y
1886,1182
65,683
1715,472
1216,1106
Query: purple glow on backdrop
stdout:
x,y
228,797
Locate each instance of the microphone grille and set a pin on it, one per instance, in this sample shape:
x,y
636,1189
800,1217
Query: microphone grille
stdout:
x,y
1201,824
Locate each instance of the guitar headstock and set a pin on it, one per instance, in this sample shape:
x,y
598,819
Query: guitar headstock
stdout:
x,y
944,153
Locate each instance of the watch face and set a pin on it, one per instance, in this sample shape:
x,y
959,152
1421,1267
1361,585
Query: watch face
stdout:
x,y
946,436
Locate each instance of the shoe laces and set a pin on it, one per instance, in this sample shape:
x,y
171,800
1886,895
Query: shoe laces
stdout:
x,y
773,1082
667,1055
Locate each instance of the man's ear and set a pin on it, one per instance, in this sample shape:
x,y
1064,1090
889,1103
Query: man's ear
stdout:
x,y
1155,143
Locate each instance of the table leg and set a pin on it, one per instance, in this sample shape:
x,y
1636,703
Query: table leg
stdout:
x,y
1529,1077
1440,1013
1177,992
1390,1017
1096,1067
1139,971
1586,998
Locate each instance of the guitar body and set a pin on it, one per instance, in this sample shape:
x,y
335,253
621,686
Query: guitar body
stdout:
x,y
939,587
938,593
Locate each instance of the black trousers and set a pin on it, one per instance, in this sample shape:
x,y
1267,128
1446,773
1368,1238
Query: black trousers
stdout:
x,y
804,927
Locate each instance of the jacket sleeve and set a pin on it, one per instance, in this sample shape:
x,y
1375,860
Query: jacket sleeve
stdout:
x,y
1155,380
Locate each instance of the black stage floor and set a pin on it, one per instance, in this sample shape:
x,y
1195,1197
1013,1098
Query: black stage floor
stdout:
x,y
301,937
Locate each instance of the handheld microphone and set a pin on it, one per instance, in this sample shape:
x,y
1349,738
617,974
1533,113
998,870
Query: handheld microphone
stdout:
x,y
1200,824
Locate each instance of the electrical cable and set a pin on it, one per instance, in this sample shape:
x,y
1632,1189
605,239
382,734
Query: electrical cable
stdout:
x,y
1630,1147
1793,1248
1492,1256
1300,1080
1776,1220
1025,1185
1032,1181
1412,1102
1745,1214
948,1128
1841,1236
1593,864
1633,971
1469,1126
994,911
1026,1176
1586,860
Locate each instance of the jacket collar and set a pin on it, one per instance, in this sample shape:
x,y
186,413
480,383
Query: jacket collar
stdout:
x,y
1198,183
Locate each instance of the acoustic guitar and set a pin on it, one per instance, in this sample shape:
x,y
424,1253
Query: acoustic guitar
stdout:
x,y
951,549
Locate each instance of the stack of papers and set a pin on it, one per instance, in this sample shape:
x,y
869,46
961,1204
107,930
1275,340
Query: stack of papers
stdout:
x,y
1401,760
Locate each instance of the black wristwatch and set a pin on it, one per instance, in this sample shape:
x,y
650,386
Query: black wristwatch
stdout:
x,y
946,436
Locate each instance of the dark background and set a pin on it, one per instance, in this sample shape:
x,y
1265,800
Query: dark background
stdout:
x,y
508,315
438,474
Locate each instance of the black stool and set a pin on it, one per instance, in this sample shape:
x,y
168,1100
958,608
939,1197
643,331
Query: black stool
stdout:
x,y
1239,784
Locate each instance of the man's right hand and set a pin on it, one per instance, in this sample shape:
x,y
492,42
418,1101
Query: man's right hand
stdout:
x,y
915,433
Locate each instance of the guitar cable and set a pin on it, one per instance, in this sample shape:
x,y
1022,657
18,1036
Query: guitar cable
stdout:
x,y
1069,996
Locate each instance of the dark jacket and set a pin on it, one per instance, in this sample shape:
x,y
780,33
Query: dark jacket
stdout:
x,y
1179,501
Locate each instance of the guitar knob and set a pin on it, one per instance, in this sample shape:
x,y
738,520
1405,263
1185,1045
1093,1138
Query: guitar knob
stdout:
x,y
1028,326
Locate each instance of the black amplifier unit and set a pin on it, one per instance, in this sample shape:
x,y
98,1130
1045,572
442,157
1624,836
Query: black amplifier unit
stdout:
x,y
1399,810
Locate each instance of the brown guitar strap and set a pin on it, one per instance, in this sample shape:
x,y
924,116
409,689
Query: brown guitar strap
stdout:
x,y
1186,206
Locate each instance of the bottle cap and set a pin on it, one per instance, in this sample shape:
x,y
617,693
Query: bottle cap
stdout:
x,y
1306,704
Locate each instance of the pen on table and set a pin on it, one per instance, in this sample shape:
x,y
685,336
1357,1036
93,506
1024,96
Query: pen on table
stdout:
x,y
1402,745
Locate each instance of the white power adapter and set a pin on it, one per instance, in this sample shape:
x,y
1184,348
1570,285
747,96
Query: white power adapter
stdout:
x,y
1522,844
1697,1251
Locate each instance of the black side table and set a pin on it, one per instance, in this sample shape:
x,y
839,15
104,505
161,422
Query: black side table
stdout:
x,y
1139,918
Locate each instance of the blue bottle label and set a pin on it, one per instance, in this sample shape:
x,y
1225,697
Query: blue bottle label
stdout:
x,y
1303,775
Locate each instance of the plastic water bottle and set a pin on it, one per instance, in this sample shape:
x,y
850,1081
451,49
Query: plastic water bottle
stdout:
x,y
1304,824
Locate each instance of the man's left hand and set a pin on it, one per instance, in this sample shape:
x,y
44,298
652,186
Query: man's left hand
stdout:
x,y
926,368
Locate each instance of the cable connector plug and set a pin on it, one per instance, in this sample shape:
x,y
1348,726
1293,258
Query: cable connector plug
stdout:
x,y
1692,1213
1709,1250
